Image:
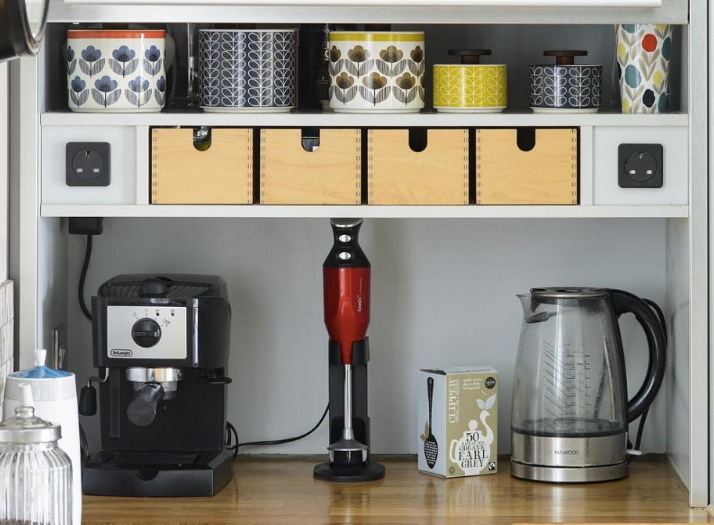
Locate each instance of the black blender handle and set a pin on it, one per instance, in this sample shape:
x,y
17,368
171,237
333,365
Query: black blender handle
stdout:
x,y
625,302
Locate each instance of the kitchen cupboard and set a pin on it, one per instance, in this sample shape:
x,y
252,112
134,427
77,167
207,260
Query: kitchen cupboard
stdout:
x,y
444,276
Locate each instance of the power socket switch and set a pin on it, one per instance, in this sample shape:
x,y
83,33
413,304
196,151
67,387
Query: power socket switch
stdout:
x,y
640,166
88,164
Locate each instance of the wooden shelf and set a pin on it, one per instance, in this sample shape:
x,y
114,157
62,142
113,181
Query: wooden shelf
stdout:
x,y
270,491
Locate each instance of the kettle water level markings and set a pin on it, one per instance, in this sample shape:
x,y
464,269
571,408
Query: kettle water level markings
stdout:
x,y
569,385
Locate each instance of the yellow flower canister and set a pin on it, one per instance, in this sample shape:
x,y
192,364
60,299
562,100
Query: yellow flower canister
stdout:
x,y
378,71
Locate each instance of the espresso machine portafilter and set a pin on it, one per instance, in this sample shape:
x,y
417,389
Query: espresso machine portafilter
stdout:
x,y
163,342
346,288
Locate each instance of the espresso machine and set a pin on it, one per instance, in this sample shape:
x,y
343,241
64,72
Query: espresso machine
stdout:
x,y
346,289
163,342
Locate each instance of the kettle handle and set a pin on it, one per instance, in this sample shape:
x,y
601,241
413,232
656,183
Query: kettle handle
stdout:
x,y
625,302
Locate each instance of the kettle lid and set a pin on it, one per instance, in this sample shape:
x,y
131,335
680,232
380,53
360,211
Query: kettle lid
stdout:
x,y
568,292
40,371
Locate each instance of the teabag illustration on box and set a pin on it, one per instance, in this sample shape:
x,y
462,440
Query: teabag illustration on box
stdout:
x,y
472,452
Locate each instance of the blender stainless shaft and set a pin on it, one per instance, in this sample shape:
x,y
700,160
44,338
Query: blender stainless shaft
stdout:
x,y
348,443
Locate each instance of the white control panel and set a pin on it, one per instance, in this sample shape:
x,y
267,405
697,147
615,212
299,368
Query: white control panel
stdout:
x,y
146,332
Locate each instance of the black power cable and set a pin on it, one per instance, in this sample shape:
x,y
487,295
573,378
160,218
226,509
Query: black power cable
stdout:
x,y
231,430
82,278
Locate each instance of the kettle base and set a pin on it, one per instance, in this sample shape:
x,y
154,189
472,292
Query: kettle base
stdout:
x,y
569,474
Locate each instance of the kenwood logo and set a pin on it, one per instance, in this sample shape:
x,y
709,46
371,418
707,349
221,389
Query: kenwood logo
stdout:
x,y
120,352
571,452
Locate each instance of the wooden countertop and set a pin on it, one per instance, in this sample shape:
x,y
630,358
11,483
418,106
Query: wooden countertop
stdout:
x,y
283,491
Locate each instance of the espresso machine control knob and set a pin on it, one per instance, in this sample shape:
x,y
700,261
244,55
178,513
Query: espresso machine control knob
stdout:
x,y
146,332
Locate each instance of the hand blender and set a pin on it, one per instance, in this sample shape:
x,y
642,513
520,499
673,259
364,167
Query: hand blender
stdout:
x,y
345,274
346,286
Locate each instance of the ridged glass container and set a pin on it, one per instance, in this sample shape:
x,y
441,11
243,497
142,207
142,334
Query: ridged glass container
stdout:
x,y
35,474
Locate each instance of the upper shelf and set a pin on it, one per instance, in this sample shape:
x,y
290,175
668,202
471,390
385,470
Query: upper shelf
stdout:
x,y
328,119
369,11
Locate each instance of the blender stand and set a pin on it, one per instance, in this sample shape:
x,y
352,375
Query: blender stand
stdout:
x,y
349,466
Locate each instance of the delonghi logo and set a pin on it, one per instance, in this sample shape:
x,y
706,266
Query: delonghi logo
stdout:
x,y
120,352
571,452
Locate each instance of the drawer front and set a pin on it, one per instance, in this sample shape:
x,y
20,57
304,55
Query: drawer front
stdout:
x,y
538,167
329,174
220,174
436,175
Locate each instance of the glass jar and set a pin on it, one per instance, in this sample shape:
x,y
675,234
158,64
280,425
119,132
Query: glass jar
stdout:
x,y
35,474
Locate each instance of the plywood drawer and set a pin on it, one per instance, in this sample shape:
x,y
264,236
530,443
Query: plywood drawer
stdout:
x,y
221,174
290,174
439,174
547,173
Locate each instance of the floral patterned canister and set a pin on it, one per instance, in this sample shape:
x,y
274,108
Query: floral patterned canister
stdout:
x,y
379,71
643,54
116,70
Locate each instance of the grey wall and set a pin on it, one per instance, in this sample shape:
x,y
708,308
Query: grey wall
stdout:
x,y
443,293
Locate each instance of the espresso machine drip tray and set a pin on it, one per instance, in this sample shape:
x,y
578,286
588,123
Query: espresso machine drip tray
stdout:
x,y
144,460
156,474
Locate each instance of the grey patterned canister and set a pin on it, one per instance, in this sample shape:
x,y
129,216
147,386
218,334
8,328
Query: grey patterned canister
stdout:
x,y
565,86
247,70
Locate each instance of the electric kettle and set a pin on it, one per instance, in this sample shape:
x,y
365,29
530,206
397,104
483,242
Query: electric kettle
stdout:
x,y
570,412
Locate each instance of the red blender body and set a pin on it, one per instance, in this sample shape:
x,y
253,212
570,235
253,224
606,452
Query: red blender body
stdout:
x,y
346,301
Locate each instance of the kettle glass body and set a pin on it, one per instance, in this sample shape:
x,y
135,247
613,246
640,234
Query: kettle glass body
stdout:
x,y
569,378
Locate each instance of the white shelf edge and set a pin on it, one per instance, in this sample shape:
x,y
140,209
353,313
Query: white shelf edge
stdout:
x,y
390,3
357,11
66,118
454,212
167,11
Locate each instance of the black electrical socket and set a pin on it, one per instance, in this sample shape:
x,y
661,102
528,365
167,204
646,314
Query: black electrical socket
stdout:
x,y
88,164
640,166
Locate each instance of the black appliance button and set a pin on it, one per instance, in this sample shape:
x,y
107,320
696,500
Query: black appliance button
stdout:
x,y
153,288
146,332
